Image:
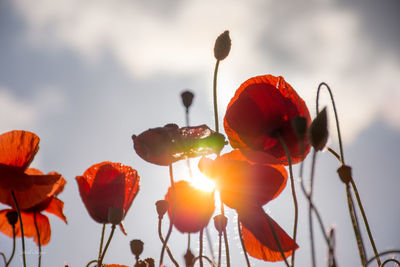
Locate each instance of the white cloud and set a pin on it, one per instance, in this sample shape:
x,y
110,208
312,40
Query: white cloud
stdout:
x,y
306,42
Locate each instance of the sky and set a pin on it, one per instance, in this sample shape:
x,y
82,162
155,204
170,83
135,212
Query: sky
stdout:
x,y
86,75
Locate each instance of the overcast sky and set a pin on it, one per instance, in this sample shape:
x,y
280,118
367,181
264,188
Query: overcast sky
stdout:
x,y
86,75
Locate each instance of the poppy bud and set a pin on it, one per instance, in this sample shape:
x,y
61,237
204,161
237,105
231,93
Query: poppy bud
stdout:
x,y
115,215
136,247
222,46
189,258
162,207
300,126
150,262
187,98
319,131
220,222
12,217
345,173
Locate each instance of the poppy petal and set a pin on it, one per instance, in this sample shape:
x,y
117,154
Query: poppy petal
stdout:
x,y
18,148
29,226
262,108
56,207
115,265
258,237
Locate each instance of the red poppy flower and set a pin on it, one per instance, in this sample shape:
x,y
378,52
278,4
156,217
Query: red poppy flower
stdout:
x,y
191,208
105,185
51,205
247,180
261,110
17,150
165,145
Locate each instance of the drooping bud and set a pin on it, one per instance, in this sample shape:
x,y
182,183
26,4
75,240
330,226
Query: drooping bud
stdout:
x,y
136,247
162,207
189,258
319,131
12,217
220,222
115,215
344,173
187,98
300,126
222,46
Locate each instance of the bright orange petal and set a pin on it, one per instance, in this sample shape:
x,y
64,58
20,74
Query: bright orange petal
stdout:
x,y
18,148
29,226
259,239
56,207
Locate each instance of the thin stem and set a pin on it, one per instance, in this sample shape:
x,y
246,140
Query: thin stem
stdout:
x,y
277,240
215,96
21,226
13,249
4,258
358,225
101,241
171,178
242,242
371,239
187,116
107,244
210,243
336,116
90,262
390,260
162,240
228,260
205,257
188,243
201,248
383,253
38,236
296,208
314,155
356,230
219,248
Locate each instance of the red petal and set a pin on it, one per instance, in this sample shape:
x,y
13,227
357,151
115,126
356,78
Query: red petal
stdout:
x,y
258,236
106,185
192,208
115,265
262,107
29,226
18,148
245,176
56,207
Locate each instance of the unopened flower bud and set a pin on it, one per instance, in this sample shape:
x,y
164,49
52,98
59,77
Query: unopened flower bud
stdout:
x,y
162,207
12,217
136,247
150,262
319,131
222,46
115,215
300,126
187,98
344,173
220,222
189,258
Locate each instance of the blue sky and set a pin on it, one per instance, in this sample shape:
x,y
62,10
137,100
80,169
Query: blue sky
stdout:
x,y
86,76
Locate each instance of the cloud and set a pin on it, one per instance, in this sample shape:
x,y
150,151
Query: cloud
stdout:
x,y
305,41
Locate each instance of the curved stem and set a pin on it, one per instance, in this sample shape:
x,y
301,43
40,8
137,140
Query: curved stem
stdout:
x,y
390,260
90,262
210,243
101,242
371,239
171,178
296,208
201,248
358,225
215,96
356,229
383,253
162,240
314,155
205,257
13,249
4,258
21,226
336,116
107,244
242,242
38,236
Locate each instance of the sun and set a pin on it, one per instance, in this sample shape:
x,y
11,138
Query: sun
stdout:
x,y
202,182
